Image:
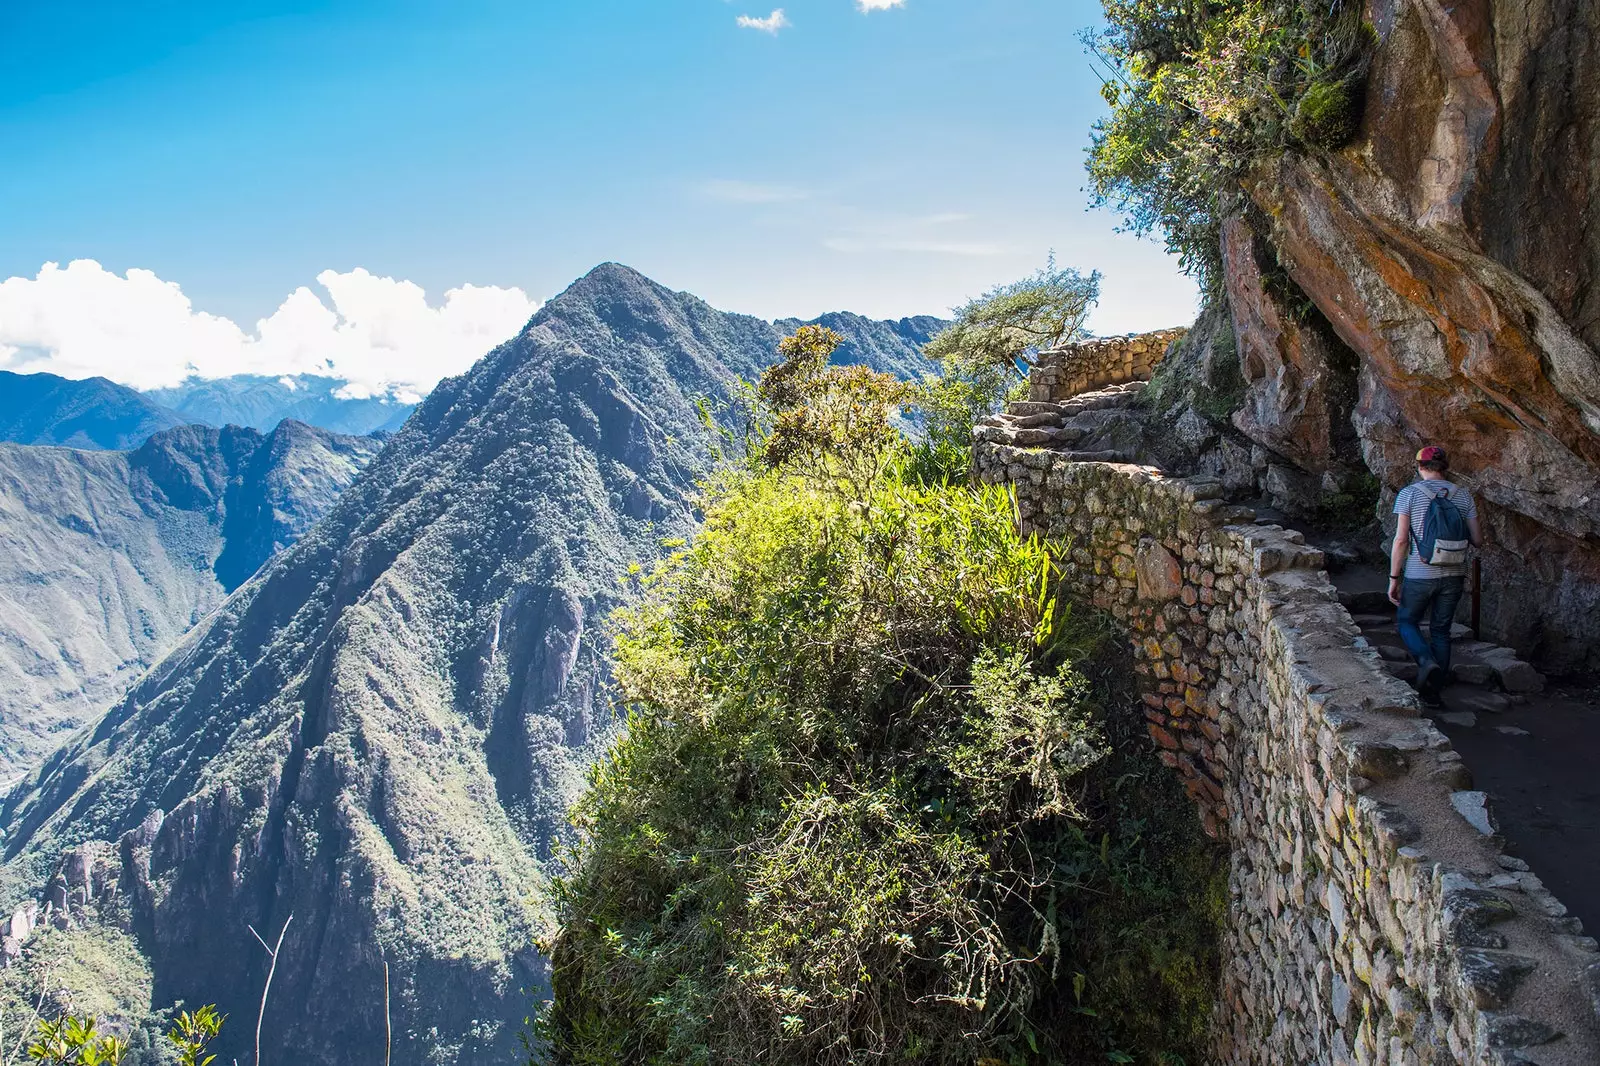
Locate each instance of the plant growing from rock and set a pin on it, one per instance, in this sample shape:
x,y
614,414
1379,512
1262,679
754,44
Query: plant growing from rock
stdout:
x,y
1201,92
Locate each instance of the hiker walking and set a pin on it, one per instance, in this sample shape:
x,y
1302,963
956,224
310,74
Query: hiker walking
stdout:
x,y
1437,521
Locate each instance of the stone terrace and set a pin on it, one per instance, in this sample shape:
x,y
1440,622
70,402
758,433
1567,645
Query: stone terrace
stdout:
x,y
1374,917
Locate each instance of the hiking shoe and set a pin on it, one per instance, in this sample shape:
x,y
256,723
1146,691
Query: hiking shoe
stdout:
x,y
1430,679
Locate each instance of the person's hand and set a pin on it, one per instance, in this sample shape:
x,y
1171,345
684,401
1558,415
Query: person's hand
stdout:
x,y
1394,591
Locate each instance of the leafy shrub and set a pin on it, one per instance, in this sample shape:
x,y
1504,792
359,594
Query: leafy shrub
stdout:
x,y
872,803
76,1040
1201,92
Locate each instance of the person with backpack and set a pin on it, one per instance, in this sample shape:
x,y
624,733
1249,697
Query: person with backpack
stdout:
x,y
1437,523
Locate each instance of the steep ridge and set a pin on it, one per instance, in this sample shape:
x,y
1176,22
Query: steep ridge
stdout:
x,y
108,558
93,413
378,734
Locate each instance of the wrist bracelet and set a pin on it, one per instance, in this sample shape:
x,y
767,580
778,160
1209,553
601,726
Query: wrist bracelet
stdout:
x,y
1396,577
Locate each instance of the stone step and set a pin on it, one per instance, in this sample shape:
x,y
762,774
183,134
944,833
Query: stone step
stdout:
x,y
1100,401
1470,698
1035,407
1389,633
1406,671
1033,421
1367,601
1098,457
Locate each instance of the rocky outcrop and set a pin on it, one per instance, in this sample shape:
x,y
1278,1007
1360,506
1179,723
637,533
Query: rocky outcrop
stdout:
x,y
1300,379
1455,251
108,558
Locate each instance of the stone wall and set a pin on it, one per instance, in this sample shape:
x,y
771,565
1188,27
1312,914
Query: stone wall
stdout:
x,y
1060,373
1373,917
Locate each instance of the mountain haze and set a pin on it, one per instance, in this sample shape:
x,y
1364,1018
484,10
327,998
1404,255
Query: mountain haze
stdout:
x,y
379,733
92,413
262,402
107,558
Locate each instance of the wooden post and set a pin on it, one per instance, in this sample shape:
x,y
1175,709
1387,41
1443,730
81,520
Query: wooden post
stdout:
x,y
1477,598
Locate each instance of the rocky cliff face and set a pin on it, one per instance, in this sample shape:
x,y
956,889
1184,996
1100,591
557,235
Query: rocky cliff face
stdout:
x,y
1452,256
108,558
379,733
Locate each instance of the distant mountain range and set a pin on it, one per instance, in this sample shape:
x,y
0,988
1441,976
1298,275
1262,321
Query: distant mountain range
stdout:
x,y
97,413
107,557
381,732
263,402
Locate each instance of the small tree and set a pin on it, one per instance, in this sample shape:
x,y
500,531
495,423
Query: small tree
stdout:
x,y
1008,325
828,423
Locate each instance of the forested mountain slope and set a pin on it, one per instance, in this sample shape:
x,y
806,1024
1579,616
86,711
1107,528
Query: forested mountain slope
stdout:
x,y
107,558
379,734
93,413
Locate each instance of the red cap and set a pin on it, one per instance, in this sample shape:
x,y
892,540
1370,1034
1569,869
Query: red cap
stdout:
x,y
1431,452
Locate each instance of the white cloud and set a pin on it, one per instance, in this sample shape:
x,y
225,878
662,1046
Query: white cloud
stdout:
x,y
879,5
380,335
772,23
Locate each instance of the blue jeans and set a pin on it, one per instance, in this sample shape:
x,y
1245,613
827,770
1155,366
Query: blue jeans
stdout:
x,y
1437,598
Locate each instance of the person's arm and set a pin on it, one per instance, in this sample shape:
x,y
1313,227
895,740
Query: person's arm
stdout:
x,y
1398,552
1474,532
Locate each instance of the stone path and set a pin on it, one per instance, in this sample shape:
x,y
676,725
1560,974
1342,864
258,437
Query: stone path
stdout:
x,y
1081,428
1533,747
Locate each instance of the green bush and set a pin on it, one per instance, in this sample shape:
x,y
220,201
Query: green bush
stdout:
x,y
1199,93
881,798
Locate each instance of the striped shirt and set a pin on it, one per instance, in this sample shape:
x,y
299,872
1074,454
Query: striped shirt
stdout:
x,y
1413,500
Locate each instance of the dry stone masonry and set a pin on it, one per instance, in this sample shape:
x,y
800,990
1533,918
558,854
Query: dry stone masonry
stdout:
x,y
1061,373
1373,917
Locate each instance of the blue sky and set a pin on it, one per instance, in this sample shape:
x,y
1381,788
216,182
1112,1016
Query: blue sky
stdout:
x,y
891,162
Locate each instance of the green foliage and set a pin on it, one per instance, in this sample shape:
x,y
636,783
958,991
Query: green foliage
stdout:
x,y
829,421
192,1032
1351,507
949,404
1199,92
74,1041
1006,325
871,804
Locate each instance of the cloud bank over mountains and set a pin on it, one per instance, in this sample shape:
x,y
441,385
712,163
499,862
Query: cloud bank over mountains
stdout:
x,y
378,334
